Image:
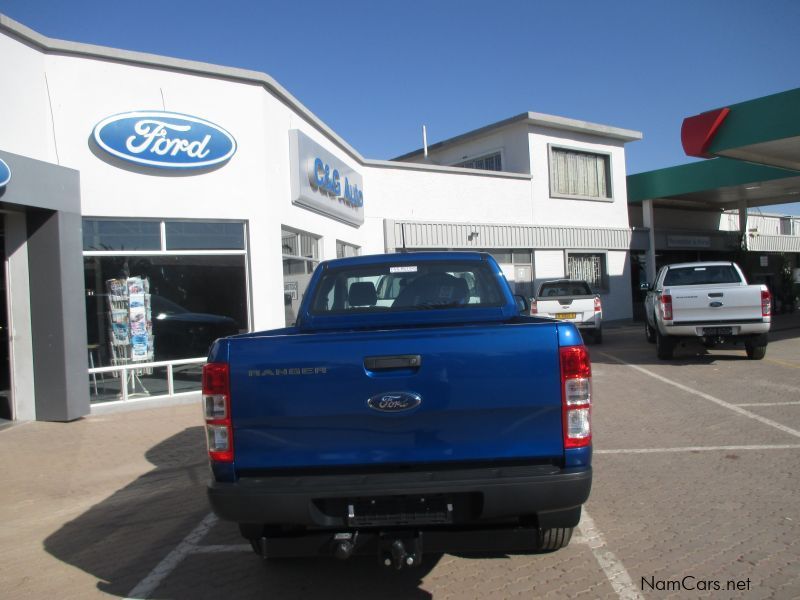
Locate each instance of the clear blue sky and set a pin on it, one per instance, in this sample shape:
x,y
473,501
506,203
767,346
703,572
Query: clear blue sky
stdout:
x,y
376,71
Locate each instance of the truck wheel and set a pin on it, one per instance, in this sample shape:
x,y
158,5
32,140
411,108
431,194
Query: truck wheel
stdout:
x,y
665,347
554,539
755,352
649,334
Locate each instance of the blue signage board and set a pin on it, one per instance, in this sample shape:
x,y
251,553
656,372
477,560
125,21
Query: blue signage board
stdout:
x,y
164,140
323,182
5,173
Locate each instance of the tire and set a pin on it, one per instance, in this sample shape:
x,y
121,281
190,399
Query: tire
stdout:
x,y
665,347
255,544
755,352
649,334
554,539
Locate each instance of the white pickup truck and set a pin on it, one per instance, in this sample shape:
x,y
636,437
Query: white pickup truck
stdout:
x,y
571,300
710,301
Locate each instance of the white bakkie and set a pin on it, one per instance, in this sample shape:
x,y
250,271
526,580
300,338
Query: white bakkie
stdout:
x,y
707,300
571,300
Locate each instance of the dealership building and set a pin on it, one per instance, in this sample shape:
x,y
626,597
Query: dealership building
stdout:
x,y
153,204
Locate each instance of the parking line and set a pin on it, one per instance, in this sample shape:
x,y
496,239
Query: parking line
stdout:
x,y
168,564
613,568
709,397
768,404
698,449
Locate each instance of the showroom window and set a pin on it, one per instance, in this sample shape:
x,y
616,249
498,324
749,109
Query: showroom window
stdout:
x,y
490,162
589,267
580,175
345,250
300,251
156,292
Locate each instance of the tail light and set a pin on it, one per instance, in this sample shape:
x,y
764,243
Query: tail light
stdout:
x,y
766,303
576,389
534,307
598,306
217,411
666,307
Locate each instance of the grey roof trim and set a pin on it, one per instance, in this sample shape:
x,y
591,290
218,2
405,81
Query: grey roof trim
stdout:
x,y
541,120
55,46
390,164
773,243
437,234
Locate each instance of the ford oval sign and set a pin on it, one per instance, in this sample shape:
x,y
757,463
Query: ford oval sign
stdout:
x,y
394,401
5,173
165,140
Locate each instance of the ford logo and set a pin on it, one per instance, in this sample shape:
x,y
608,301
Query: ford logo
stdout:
x,y
394,401
715,304
164,139
5,173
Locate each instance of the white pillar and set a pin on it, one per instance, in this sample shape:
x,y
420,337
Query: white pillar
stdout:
x,y
743,223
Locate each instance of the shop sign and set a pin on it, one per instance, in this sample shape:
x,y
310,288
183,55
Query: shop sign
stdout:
x,y
688,241
5,173
164,140
323,182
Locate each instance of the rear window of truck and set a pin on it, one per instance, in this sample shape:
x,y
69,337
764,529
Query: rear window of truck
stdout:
x,y
564,288
404,287
702,275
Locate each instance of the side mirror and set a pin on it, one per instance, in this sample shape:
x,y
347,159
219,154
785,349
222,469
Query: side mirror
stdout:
x,y
522,304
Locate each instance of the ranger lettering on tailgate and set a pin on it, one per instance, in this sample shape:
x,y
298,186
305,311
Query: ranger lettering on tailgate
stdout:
x,y
287,371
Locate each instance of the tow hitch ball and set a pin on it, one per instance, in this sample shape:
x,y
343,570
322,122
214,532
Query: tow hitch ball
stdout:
x,y
401,552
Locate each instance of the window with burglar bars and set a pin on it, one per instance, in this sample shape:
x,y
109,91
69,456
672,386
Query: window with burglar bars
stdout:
x,y
579,174
590,268
490,162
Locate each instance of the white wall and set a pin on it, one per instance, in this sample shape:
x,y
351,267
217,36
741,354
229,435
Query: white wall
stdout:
x,y
548,264
25,115
510,141
396,193
585,213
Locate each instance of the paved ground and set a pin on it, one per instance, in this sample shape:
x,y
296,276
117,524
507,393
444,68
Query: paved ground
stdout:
x,y
696,479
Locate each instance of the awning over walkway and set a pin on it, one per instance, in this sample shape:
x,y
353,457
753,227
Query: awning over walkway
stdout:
x,y
720,184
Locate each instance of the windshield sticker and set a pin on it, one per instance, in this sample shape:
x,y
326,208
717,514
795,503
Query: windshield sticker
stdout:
x,y
409,269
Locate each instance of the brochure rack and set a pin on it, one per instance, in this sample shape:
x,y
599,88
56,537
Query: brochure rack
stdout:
x,y
130,328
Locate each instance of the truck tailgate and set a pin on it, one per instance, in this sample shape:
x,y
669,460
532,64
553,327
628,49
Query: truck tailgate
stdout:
x,y
576,310
715,304
487,392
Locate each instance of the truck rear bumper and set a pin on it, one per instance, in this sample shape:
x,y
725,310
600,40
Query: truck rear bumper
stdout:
x,y
491,492
703,329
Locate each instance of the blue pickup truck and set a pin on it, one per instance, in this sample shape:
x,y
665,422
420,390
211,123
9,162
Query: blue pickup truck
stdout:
x,y
412,406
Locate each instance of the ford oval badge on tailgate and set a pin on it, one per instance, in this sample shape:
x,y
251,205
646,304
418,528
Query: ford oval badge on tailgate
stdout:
x,y
394,401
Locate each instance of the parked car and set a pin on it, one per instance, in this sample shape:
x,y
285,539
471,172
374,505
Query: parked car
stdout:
x,y
571,300
180,333
709,301
384,421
